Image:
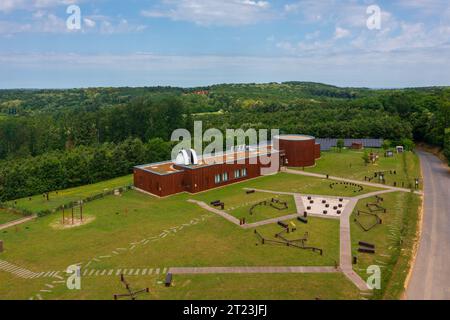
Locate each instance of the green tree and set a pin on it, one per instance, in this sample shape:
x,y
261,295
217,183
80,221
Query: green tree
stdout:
x,y
366,158
387,144
447,145
340,144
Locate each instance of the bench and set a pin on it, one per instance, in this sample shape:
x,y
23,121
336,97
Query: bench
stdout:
x,y
282,224
302,220
366,250
250,191
216,203
366,244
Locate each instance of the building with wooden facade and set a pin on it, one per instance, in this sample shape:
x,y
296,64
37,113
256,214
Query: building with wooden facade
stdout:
x,y
189,173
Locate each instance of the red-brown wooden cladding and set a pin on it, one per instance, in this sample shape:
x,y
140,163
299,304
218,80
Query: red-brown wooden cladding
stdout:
x,y
317,153
295,151
299,152
194,180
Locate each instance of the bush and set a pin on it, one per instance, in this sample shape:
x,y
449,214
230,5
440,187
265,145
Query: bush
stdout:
x,y
447,145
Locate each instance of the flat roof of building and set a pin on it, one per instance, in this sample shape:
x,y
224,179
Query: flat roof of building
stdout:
x,y
169,167
294,137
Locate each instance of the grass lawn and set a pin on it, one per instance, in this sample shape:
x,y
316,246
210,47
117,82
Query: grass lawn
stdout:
x,y
123,222
394,240
260,286
8,216
202,287
349,164
56,199
234,194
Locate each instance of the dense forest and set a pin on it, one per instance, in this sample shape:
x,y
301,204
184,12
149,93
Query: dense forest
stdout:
x,y
53,139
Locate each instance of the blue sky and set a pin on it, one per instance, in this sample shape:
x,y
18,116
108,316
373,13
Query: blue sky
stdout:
x,y
201,42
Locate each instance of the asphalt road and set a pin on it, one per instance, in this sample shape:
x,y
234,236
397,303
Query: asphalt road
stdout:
x,y
430,278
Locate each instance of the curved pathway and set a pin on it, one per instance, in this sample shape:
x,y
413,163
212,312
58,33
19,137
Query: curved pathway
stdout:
x,y
430,277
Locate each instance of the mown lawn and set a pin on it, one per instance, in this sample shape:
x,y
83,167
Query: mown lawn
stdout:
x,y
285,182
349,164
121,222
393,239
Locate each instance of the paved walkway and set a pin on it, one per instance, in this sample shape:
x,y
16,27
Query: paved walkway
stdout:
x,y
365,183
221,213
16,222
218,270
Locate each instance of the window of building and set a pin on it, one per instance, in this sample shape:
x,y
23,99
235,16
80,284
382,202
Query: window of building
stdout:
x,y
244,172
217,178
237,174
225,176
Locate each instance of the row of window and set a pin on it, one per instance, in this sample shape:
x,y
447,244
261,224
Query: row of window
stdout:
x,y
240,173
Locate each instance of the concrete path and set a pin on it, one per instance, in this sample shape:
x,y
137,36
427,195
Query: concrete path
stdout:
x,y
345,257
365,183
240,270
221,213
270,221
430,277
16,222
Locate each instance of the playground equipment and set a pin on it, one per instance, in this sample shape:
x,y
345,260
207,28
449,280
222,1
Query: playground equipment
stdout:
x,y
274,203
283,204
131,294
377,220
295,243
356,187
77,210
375,207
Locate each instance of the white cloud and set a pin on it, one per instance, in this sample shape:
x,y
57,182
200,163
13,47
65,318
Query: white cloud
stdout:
x,y
341,33
89,23
11,5
345,13
213,12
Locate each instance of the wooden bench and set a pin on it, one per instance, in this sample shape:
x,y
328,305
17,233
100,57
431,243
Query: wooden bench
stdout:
x,y
366,244
282,224
302,220
366,250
